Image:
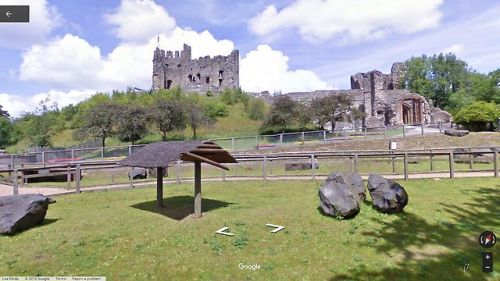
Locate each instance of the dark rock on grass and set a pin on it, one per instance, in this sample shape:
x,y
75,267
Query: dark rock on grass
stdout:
x,y
21,212
137,174
301,166
353,180
456,133
387,195
338,198
152,172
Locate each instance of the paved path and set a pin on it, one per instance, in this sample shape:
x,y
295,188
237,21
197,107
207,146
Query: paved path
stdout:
x,y
8,190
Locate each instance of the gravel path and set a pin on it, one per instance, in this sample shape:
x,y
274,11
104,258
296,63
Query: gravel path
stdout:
x,y
7,189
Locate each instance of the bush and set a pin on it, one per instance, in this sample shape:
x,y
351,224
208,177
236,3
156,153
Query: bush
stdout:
x,y
257,109
216,109
478,116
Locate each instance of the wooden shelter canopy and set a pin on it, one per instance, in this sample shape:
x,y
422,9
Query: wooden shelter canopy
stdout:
x,y
163,154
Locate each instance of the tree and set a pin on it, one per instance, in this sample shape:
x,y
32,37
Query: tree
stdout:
x,y
478,116
4,113
256,109
132,123
195,117
101,120
169,115
283,113
333,108
6,131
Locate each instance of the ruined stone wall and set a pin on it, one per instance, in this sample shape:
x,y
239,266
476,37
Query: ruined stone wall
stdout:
x,y
174,69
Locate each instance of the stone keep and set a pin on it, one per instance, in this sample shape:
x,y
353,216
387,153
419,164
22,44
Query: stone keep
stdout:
x,y
177,69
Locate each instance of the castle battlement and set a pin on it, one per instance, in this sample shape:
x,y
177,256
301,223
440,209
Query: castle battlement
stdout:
x,y
174,68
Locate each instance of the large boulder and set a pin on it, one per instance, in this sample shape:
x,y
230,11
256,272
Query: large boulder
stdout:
x,y
353,180
20,212
456,133
137,174
338,198
387,195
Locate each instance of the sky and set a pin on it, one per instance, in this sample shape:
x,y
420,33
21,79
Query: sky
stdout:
x,y
72,49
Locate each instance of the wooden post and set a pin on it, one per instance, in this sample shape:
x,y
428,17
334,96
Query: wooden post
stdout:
x,y
129,149
197,189
72,154
313,166
14,182
257,142
78,173
68,175
130,179
281,138
422,128
355,163
43,157
178,171
364,132
385,132
404,133
264,167
113,175
159,186
431,159
393,163
495,163
324,136
303,137
102,152
405,165
471,159
452,164
232,144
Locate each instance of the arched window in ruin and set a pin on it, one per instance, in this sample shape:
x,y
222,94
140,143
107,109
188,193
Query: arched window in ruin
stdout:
x,y
198,76
207,79
169,84
221,72
190,77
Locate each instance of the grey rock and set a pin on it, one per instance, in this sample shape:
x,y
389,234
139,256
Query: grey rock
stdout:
x,y
339,199
387,195
21,212
152,172
300,166
137,174
351,179
456,133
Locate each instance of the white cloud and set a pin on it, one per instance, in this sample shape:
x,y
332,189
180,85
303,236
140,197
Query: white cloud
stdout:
x,y
43,19
17,105
348,20
139,20
457,49
267,69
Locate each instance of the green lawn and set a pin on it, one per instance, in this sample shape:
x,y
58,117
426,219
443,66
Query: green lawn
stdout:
x,y
121,235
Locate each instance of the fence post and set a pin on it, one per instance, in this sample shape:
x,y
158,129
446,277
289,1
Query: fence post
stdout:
x,y
264,164
178,171
422,128
232,144
495,163
324,136
68,175
14,182
257,142
43,157
102,152
405,165
345,134
452,164
303,137
385,132
431,159
393,163
355,163
223,175
471,159
12,160
129,149
364,132
78,173
72,153
313,166
130,178
404,133
281,138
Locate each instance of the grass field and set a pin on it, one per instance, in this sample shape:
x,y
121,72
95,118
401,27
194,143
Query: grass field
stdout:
x,y
121,235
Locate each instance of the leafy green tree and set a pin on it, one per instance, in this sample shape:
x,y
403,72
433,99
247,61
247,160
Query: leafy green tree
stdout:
x,y
132,123
283,113
478,116
169,115
4,113
39,128
6,132
333,108
101,121
256,109
196,116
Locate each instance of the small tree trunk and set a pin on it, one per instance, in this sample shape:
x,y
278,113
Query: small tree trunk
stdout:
x,y
333,125
164,136
103,144
194,132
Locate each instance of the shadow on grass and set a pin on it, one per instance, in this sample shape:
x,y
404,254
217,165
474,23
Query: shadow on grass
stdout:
x,y
433,248
180,207
42,224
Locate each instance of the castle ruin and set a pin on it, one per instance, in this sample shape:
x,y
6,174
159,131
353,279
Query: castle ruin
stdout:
x,y
177,69
383,100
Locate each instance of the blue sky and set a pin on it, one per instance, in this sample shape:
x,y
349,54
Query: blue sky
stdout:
x,y
71,49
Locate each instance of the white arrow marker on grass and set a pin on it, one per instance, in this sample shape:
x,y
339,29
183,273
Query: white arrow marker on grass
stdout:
x,y
221,231
278,227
